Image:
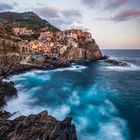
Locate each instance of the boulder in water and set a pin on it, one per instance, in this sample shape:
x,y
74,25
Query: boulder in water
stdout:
x,y
115,62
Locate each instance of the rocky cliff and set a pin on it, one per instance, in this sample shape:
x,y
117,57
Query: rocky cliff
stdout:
x,y
88,51
37,127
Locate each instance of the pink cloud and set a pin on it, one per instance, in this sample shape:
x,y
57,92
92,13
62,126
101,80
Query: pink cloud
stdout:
x,y
127,15
47,11
59,17
115,3
107,4
53,12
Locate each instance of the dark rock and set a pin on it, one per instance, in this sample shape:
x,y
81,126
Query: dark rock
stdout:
x,y
41,126
104,57
89,51
4,115
115,62
7,90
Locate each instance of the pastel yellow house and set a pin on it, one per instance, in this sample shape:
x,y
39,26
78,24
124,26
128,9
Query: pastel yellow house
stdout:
x,y
34,46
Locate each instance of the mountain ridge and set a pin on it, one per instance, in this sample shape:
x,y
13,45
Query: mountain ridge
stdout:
x,y
25,19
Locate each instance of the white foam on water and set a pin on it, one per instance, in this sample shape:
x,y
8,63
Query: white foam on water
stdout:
x,y
29,73
130,67
82,123
77,68
107,131
60,112
34,89
111,107
112,129
22,106
74,98
19,86
33,73
115,128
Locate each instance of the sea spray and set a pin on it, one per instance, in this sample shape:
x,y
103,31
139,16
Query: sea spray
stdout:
x,y
87,103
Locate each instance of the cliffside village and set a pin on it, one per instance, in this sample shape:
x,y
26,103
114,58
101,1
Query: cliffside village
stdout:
x,y
49,47
52,45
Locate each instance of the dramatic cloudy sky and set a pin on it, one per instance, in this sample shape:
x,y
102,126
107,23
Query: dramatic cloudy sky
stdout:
x,y
113,23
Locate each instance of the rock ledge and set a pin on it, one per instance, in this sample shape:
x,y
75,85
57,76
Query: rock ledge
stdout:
x,y
37,127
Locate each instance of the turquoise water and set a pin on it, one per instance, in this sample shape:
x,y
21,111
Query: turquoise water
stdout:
x,y
103,100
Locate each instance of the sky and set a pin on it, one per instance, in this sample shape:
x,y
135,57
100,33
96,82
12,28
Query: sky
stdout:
x,y
114,24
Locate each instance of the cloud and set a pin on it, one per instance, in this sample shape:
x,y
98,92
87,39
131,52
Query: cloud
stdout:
x,y
102,19
122,16
52,12
71,13
6,7
105,4
81,27
91,3
49,12
59,17
112,4
127,15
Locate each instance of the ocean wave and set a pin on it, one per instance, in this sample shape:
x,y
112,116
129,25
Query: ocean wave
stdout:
x,y
60,112
25,105
113,128
21,106
94,115
25,75
33,73
74,98
130,67
77,68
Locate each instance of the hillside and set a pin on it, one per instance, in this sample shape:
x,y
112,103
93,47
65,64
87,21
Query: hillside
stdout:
x,y
25,19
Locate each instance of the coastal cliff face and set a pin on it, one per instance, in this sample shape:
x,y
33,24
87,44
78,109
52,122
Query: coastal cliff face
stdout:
x,y
88,51
33,127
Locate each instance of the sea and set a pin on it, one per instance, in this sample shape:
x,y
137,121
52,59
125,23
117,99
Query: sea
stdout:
x,y
103,99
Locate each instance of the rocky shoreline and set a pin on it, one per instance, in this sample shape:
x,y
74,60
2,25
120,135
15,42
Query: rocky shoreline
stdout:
x,y
40,126
24,68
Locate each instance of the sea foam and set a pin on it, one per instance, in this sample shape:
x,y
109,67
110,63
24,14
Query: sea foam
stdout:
x,y
94,115
130,67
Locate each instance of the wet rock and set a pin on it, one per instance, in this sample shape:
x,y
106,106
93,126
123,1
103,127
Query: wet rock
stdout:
x,y
105,57
4,114
41,126
7,91
116,62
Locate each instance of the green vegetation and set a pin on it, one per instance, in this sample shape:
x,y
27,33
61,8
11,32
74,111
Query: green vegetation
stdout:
x,y
29,37
93,40
29,20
